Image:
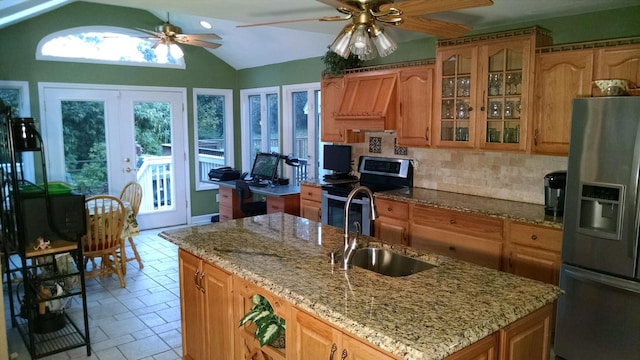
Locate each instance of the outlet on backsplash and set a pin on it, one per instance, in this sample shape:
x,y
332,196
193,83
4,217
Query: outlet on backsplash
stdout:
x,y
501,175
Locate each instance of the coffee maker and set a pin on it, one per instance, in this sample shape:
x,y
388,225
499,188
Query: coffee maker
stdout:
x,y
554,188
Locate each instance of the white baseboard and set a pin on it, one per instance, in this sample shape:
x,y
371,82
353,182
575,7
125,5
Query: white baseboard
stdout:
x,y
201,219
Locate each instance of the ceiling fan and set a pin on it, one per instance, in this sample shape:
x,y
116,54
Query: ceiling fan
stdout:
x,y
170,35
366,39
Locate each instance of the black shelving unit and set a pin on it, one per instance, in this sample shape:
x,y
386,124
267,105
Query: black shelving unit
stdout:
x,y
45,284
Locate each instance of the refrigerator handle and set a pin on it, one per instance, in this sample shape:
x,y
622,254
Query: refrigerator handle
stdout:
x,y
585,275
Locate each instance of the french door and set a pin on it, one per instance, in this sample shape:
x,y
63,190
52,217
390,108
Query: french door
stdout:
x,y
99,138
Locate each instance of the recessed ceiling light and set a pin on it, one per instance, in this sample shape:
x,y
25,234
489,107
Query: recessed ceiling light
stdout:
x,y
205,24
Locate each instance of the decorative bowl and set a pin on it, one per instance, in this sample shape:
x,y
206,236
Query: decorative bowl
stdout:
x,y
613,87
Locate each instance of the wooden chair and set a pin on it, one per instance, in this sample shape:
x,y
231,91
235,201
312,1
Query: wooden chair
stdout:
x,y
132,193
105,216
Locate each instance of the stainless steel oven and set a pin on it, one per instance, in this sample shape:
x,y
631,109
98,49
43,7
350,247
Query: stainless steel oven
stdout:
x,y
376,173
333,212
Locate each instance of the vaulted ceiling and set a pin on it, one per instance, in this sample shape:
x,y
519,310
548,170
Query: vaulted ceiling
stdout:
x,y
263,45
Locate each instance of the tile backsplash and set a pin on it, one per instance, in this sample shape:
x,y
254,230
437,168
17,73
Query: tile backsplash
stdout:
x,y
501,175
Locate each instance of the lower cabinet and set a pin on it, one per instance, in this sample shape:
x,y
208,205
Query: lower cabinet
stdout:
x,y
311,202
213,302
533,252
316,339
392,224
205,308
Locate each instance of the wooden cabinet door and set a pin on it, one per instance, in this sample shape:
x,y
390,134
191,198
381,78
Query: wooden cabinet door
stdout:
x,y
416,109
332,90
560,77
454,119
392,231
534,264
528,338
192,307
229,204
358,350
314,339
219,324
505,88
311,210
485,349
619,62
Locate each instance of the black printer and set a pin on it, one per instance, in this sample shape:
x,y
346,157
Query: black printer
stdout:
x,y
224,174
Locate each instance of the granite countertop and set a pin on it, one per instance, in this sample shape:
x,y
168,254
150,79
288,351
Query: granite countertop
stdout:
x,y
428,315
504,209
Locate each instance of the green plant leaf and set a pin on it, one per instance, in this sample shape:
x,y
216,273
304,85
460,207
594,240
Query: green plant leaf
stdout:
x,y
268,334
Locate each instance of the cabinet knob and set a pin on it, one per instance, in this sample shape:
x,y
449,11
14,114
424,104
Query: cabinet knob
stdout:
x,y
389,209
534,237
452,248
344,354
452,221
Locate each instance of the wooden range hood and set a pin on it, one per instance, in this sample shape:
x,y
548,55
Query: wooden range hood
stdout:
x,y
369,103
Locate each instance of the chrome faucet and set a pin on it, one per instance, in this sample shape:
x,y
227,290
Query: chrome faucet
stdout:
x,y
350,246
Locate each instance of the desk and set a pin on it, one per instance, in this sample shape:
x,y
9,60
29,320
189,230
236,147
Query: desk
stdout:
x,y
281,198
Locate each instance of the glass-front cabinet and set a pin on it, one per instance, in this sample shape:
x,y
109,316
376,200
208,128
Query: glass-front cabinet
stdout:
x,y
505,88
483,90
455,117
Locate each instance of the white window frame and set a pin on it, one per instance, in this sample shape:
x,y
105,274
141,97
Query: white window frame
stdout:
x,y
287,121
112,29
228,132
24,111
246,126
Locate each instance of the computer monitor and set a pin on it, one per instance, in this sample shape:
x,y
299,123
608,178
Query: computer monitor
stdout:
x,y
265,167
337,158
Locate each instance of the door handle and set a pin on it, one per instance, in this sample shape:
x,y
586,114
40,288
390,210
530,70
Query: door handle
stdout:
x,y
334,348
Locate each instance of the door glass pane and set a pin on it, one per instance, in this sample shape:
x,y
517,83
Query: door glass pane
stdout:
x,y
211,136
153,161
85,154
504,87
11,97
456,97
255,124
273,123
300,113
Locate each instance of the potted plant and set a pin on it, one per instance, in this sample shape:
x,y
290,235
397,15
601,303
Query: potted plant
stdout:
x,y
335,65
270,327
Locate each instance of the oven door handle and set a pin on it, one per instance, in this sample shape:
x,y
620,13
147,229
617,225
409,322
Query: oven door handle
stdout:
x,y
343,198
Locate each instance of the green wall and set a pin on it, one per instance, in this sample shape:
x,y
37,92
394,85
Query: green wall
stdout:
x,y
206,70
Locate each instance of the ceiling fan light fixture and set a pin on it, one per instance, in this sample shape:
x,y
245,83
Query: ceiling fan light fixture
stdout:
x,y
384,43
169,49
361,43
205,24
340,45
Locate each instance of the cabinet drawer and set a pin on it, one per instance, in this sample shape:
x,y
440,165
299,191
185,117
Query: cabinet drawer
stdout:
x,y
459,222
487,253
313,193
393,209
535,236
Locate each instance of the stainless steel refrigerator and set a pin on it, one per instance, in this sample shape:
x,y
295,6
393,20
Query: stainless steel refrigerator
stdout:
x,y
599,314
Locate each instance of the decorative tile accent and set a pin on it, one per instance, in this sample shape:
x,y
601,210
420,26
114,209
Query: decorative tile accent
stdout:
x,y
399,150
375,144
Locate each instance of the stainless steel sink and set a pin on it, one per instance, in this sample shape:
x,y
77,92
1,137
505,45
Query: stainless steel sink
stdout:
x,y
387,262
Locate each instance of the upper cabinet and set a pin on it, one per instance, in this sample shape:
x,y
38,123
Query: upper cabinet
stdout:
x,y
565,72
333,89
415,92
483,90
560,77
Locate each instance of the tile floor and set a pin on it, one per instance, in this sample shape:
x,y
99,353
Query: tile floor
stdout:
x,y
141,321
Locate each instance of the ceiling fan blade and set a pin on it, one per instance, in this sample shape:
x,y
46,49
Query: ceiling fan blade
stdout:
x,y
420,7
340,5
433,27
151,32
199,43
200,36
326,18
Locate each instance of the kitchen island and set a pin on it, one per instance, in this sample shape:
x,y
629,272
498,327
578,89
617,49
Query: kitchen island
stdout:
x,y
429,315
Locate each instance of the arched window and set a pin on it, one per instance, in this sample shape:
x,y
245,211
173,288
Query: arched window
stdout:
x,y
104,45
